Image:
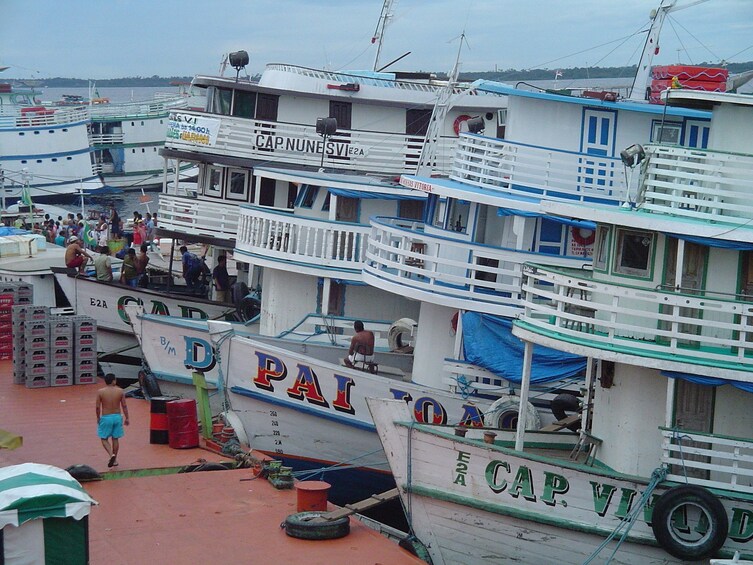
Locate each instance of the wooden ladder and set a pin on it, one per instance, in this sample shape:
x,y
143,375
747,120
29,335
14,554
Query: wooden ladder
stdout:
x,y
361,505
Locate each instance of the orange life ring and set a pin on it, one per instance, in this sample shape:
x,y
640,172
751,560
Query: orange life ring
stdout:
x,y
458,122
580,239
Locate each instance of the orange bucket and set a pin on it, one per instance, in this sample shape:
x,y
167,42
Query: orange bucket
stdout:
x,y
312,496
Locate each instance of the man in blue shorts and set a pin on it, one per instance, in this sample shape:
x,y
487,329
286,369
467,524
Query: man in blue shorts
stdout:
x,y
110,400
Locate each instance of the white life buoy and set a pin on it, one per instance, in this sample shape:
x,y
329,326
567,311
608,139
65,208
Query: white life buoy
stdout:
x,y
503,414
401,333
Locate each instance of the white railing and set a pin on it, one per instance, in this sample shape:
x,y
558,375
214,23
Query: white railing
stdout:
x,y
136,110
515,168
435,87
280,236
337,330
709,460
106,138
367,151
198,217
17,117
698,184
402,257
691,328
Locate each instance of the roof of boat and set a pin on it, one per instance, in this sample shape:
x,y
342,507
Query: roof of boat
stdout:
x,y
625,105
344,180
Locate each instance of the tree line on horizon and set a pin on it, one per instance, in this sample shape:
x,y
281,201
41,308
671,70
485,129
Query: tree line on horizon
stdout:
x,y
505,75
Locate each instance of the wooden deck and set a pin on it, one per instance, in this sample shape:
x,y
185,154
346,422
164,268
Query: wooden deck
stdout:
x,y
209,517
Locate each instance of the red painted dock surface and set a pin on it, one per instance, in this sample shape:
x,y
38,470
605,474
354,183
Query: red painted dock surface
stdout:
x,y
205,517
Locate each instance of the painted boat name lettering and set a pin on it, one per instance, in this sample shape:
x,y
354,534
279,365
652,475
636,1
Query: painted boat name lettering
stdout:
x,y
159,308
332,148
98,302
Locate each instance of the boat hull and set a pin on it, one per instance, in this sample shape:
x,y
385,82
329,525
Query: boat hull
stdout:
x,y
105,302
294,399
475,502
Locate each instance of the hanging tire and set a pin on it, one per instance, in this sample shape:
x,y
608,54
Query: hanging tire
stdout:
x,y
691,544
503,414
149,384
305,525
403,326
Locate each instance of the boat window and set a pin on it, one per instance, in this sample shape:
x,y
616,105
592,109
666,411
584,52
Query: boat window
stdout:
x,y
634,250
292,194
666,132
325,205
213,184
439,209
244,104
458,217
411,209
238,185
307,196
267,192
219,99
602,248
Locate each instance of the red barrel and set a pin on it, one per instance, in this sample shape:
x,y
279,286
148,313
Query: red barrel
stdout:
x,y
182,423
158,420
312,496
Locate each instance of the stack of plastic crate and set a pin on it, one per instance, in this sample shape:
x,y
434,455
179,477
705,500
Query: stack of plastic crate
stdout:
x,y
6,326
61,332
37,345
85,349
19,344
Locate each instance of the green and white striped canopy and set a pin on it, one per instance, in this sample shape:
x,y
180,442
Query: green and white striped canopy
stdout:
x,y
32,490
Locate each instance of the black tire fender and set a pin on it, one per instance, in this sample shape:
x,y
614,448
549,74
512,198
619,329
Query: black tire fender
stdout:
x,y
704,507
305,525
150,384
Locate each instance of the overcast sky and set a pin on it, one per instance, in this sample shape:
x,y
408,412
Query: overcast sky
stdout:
x,y
100,39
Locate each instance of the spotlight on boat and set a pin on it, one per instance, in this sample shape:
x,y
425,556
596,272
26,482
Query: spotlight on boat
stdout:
x,y
476,125
326,126
633,155
238,60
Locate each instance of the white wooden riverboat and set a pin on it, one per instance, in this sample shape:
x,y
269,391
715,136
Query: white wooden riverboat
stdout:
x,y
661,471
45,148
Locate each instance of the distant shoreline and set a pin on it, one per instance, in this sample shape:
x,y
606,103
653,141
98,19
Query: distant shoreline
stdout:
x,y
495,75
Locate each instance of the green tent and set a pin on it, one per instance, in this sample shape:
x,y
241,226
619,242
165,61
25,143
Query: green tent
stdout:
x,y
43,516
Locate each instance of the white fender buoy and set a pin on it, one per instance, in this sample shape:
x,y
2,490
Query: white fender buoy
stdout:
x,y
234,420
503,414
400,333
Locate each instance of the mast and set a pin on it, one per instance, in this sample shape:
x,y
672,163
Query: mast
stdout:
x,y
651,48
378,37
427,160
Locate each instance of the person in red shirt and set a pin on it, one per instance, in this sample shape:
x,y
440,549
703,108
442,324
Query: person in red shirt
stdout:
x,y
139,233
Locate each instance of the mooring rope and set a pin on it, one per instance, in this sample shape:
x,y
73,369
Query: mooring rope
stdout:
x,y
626,523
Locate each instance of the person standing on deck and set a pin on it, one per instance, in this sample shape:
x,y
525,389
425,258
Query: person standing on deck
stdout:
x,y
103,265
110,401
221,280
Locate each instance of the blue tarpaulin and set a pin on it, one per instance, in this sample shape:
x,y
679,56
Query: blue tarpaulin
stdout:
x,y
7,230
363,195
713,242
488,343
708,381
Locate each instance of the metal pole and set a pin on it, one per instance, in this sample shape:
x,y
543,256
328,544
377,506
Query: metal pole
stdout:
x,y
524,386
170,273
2,189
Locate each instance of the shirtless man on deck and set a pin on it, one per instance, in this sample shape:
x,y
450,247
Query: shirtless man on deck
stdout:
x,y
110,400
362,343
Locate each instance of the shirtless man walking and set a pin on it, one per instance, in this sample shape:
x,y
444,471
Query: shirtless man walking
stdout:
x,y
110,400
